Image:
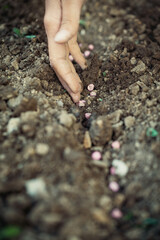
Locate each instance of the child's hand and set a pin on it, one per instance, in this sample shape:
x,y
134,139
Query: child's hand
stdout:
x,y
61,22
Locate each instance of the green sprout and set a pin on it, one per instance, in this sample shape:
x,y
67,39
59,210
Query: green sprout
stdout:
x,y
19,34
82,22
9,232
104,74
150,222
17,31
151,132
30,36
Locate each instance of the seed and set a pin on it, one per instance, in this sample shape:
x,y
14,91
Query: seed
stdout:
x,y
93,94
116,144
91,46
87,115
116,213
87,53
70,58
112,171
114,186
81,103
96,155
90,87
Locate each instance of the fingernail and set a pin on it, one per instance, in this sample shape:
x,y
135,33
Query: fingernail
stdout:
x,y
62,36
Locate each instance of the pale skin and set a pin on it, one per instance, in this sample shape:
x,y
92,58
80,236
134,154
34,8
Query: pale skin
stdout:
x,y
61,22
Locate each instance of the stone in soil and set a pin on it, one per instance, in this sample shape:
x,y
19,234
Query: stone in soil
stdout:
x,y
101,131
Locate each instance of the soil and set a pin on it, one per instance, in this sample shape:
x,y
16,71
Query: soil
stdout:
x,y
42,131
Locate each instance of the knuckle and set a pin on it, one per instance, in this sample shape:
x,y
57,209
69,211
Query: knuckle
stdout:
x,y
69,25
55,61
51,22
47,21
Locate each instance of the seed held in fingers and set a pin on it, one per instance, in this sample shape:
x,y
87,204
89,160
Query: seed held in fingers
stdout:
x,y
70,58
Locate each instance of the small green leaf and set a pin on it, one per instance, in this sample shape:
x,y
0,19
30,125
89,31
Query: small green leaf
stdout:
x,y
10,232
150,222
104,74
17,31
151,132
30,36
5,7
82,22
128,216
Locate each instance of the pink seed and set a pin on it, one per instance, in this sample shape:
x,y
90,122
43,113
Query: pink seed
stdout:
x,y
96,155
70,58
87,53
81,103
91,46
112,171
93,94
87,115
116,213
90,87
114,186
116,144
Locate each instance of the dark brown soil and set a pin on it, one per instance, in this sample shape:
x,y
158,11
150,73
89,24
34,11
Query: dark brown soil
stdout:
x,y
42,131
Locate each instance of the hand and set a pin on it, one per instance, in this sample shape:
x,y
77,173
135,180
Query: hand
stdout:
x,y
61,22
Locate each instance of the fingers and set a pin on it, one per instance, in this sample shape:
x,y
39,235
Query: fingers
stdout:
x,y
58,53
59,61
71,10
52,18
75,97
75,51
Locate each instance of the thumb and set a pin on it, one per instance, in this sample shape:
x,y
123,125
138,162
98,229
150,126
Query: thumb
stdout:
x,y
71,10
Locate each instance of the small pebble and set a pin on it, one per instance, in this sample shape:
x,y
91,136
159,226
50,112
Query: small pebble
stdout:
x,y
116,213
116,144
112,171
87,140
91,46
93,94
42,149
36,187
90,87
121,167
114,186
87,115
87,53
96,155
71,58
